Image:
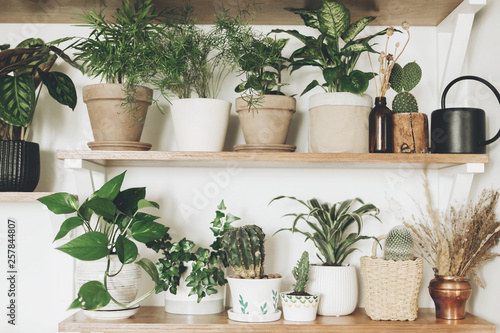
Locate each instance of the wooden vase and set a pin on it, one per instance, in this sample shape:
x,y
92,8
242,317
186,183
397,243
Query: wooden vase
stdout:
x,y
410,133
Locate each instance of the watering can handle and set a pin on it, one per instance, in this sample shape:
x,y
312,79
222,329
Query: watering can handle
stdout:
x,y
475,78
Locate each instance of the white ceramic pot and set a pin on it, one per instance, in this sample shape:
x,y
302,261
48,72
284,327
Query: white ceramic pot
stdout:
x,y
200,124
255,297
299,308
182,303
338,123
123,287
338,287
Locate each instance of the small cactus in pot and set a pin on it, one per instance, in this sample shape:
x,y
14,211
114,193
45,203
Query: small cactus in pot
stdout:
x,y
399,244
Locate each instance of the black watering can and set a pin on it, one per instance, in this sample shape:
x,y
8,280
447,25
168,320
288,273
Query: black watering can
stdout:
x,y
460,130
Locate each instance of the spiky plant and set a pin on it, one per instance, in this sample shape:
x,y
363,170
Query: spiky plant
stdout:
x,y
399,244
402,80
301,273
244,247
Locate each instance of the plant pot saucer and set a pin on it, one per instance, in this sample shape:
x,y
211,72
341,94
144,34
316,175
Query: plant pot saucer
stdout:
x,y
264,147
115,314
119,145
253,318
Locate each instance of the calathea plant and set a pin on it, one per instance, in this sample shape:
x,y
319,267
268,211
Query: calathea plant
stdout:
x,y
23,70
336,50
110,220
207,263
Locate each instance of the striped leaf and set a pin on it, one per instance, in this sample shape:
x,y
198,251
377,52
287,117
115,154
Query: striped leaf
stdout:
x,y
60,87
17,99
14,59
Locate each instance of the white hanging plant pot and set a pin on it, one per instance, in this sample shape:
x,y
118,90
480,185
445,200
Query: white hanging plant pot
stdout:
x,y
200,124
182,303
254,300
299,308
122,287
338,287
338,123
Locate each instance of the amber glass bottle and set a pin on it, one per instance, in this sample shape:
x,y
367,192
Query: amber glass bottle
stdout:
x,y
380,127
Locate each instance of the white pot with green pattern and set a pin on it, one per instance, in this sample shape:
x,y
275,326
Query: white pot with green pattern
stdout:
x,y
299,307
254,300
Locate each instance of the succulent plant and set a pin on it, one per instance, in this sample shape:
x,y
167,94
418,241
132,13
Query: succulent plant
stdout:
x,y
301,273
399,244
402,80
244,247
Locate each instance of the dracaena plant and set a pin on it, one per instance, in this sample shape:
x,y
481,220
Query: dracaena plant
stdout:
x,y
336,50
332,226
24,70
110,221
206,263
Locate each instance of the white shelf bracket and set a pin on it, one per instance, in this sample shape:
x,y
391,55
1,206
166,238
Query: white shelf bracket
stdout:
x,y
453,35
459,180
89,176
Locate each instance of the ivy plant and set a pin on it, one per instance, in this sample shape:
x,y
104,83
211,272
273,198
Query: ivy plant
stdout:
x,y
111,221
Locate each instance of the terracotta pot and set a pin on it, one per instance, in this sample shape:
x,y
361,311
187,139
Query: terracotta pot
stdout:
x,y
110,118
338,123
270,122
450,295
410,133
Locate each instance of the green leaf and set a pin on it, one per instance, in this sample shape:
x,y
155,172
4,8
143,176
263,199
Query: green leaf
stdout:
x,y
92,296
330,75
357,82
143,203
127,200
17,99
293,33
111,189
309,16
90,246
150,268
102,207
310,86
357,48
356,27
68,225
144,232
222,206
60,87
126,250
334,19
60,203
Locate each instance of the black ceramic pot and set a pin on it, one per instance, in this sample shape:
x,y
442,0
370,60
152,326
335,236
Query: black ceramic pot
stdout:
x,y
19,166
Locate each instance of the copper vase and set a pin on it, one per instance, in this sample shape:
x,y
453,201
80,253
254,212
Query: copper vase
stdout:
x,y
450,295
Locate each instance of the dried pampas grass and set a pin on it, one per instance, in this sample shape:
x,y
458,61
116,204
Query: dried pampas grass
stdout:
x,y
458,242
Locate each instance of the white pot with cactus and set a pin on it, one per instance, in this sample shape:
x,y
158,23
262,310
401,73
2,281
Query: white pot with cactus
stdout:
x,y
337,284
299,305
254,295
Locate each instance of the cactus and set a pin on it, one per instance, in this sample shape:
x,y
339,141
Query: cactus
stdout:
x,y
244,247
402,80
301,273
399,244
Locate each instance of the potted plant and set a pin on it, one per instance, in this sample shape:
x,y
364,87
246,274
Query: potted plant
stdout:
x,y
456,244
194,279
336,283
108,272
410,129
299,305
338,118
254,295
23,70
264,111
118,50
190,60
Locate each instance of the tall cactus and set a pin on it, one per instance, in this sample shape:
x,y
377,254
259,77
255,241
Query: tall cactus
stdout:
x,y
399,244
402,80
301,273
244,247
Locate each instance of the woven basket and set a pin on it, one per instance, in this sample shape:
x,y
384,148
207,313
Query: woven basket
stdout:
x,y
391,287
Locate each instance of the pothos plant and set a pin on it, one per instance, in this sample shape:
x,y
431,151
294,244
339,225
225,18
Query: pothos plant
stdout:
x,y
24,70
336,50
206,263
110,221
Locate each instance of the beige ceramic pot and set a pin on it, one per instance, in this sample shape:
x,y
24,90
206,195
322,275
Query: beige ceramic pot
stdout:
x,y
110,118
410,133
270,122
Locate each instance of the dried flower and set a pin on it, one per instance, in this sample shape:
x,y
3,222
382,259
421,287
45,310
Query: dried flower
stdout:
x,y
390,31
405,25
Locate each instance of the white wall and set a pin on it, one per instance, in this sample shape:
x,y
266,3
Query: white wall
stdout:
x,y
246,191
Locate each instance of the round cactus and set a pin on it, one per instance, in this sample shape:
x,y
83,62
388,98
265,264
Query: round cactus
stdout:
x,y
412,74
404,102
399,244
244,247
396,78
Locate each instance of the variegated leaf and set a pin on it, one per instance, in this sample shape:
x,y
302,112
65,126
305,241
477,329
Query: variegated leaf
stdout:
x,y
334,19
356,27
17,99
356,48
309,16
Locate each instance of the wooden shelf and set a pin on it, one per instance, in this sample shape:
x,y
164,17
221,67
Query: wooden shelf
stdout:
x,y
155,319
389,12
22,196
281,160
